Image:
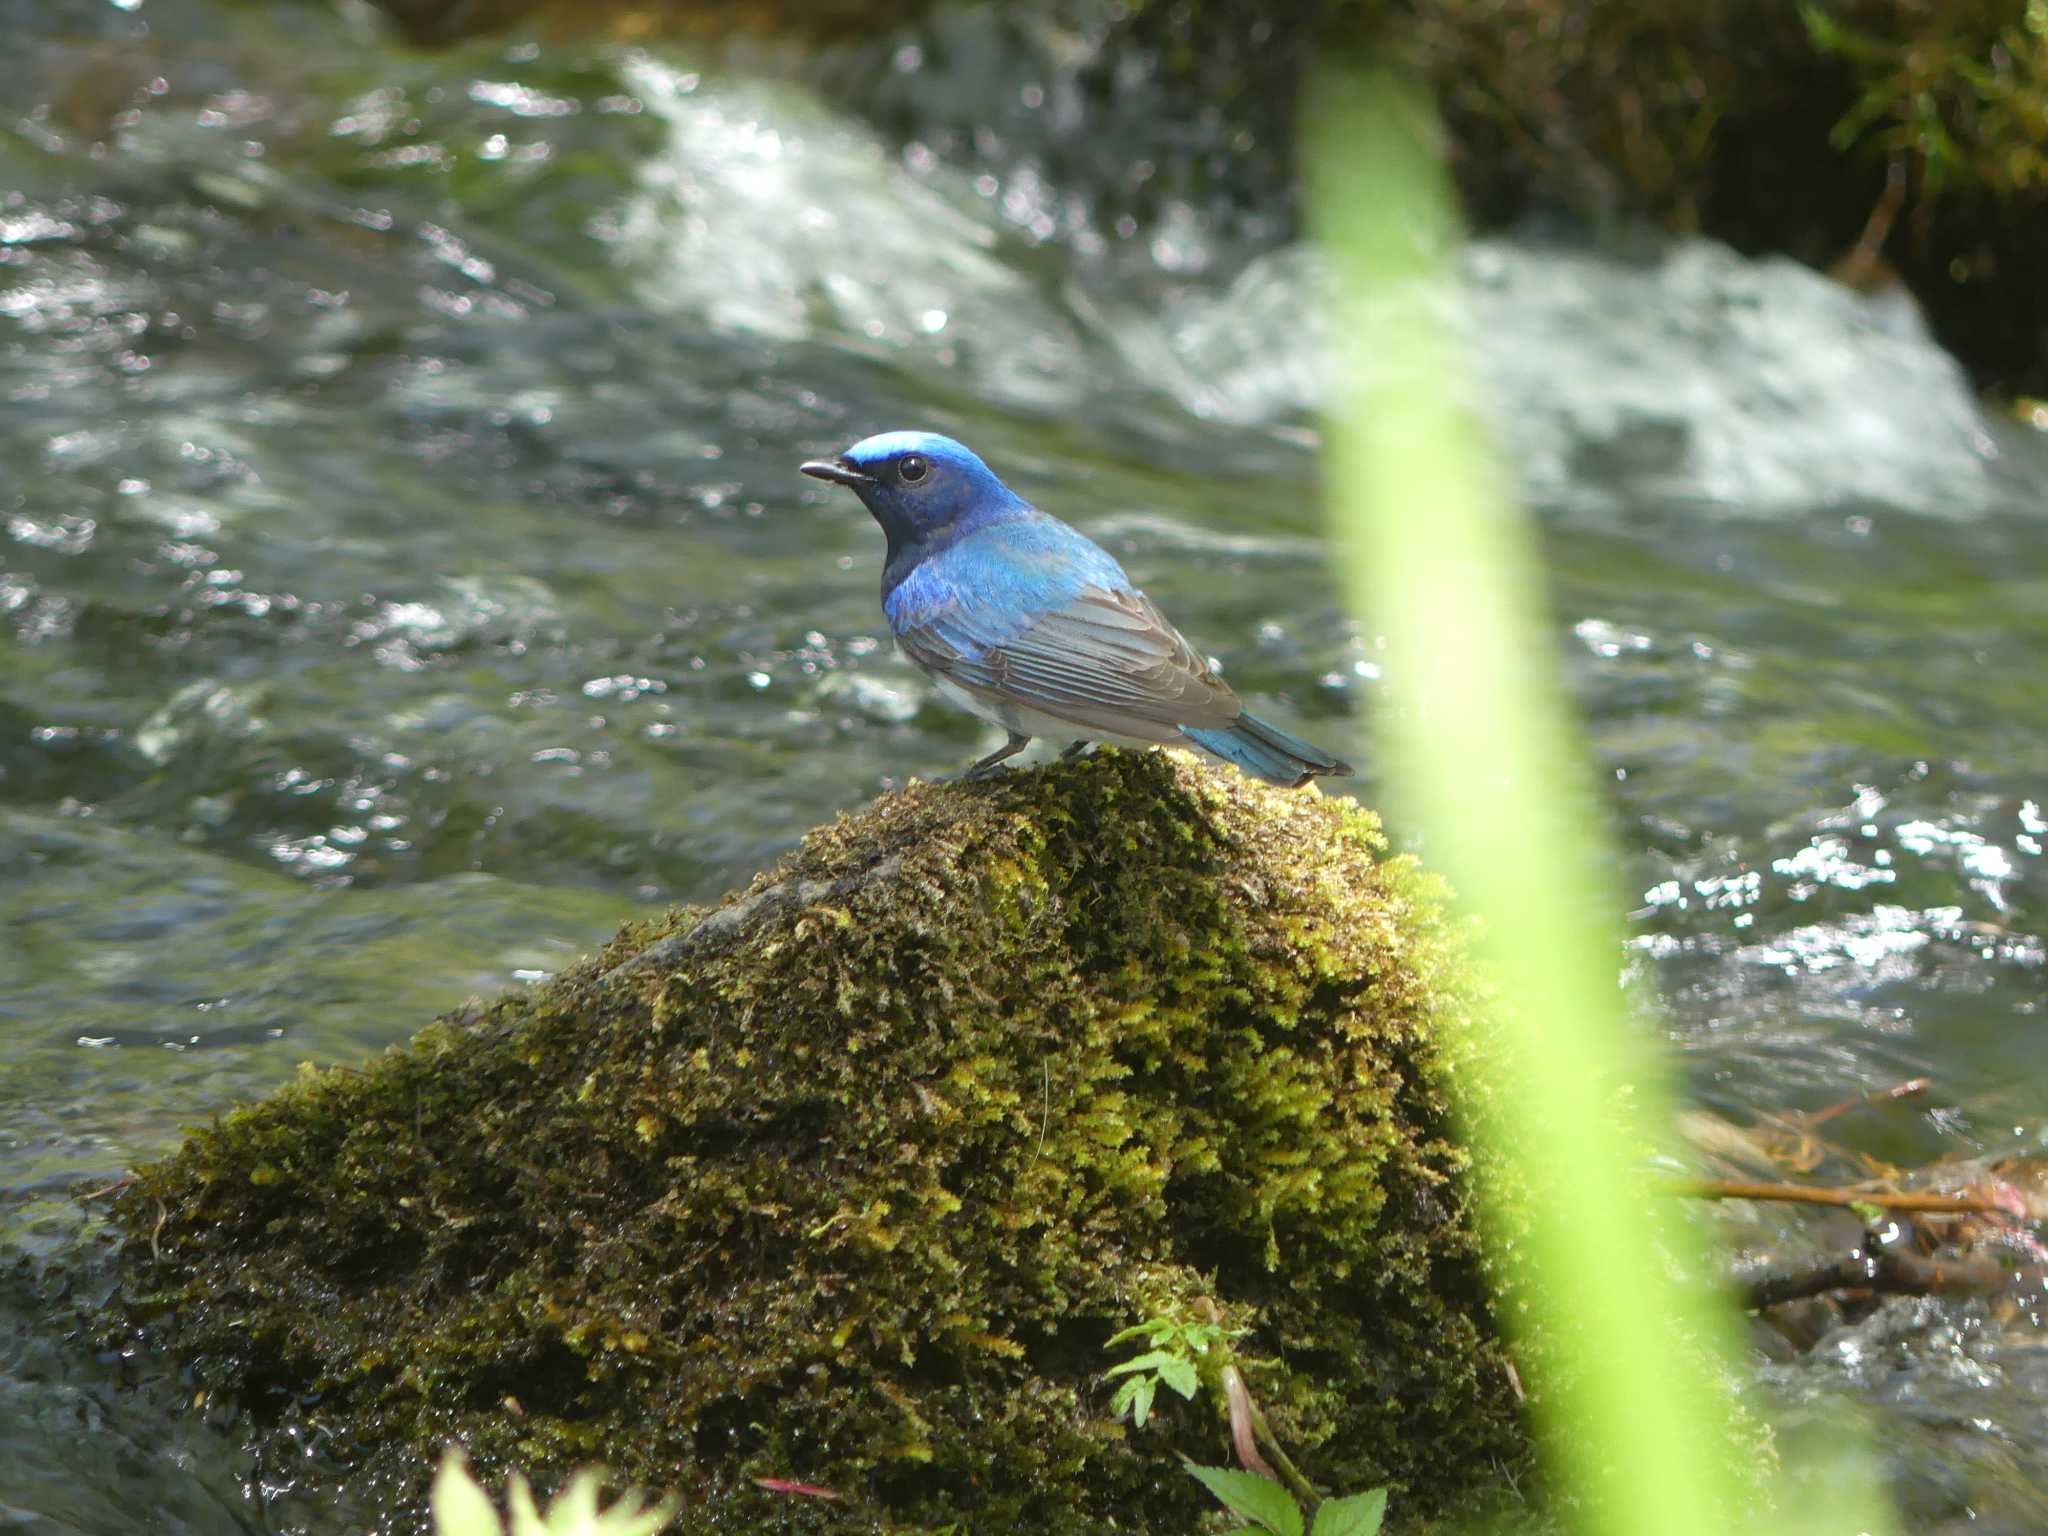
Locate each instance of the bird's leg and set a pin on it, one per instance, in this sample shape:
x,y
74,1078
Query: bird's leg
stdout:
x,y
982,769
1076,748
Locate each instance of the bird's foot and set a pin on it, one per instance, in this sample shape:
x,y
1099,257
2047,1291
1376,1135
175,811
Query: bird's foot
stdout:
x,y
1074,749
991,765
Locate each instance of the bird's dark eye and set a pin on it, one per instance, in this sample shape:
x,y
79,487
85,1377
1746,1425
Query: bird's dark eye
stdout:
x,y
913,468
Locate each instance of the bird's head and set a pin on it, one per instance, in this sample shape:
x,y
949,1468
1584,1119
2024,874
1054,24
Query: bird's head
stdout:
x,y
918,485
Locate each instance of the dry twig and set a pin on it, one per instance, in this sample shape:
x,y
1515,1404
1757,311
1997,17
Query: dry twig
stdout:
x,y
1810,1194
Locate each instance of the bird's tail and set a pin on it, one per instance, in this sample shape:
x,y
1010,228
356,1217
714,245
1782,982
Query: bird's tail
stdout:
x,y
1267,752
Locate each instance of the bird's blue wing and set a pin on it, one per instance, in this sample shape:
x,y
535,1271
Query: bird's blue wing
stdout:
x,y
1029,612
1106,660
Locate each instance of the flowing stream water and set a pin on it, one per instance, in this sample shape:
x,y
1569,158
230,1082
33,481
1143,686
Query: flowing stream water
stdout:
x,y
405,576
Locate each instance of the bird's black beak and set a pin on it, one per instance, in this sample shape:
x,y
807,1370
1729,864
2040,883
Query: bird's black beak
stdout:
x,y
837,470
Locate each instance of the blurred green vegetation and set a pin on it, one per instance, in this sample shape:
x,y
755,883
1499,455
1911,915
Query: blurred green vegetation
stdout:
x,y
1628,1346
1958,88
1487,770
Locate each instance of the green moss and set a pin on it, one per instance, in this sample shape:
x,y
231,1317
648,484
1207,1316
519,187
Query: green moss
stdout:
x,y
1956,88
850,1181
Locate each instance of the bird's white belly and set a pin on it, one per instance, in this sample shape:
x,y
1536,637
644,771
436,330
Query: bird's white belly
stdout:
x,y
1023,719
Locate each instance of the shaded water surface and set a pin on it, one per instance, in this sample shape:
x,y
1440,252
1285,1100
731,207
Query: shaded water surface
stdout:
x,y
404,576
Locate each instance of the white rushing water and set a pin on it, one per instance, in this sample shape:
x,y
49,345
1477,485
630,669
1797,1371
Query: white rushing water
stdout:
x,y
1681,373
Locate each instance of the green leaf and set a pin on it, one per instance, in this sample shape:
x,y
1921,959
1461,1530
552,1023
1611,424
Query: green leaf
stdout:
x,y
1135,1397
460,1507
1180,1375
1358,1515
1830,36
575,1512
1254,1498
524,1516
1157,1360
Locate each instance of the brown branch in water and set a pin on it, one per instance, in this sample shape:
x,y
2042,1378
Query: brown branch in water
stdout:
x,y
1908,1089
1889,1272
1808,1194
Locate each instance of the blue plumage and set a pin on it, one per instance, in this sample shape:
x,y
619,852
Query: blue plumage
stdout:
x,y
1026,623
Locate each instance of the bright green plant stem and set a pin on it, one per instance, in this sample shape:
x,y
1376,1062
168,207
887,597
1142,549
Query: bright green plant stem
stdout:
x,y
1485,768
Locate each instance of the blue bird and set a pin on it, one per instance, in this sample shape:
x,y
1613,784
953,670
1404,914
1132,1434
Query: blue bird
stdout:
x,y
1020,620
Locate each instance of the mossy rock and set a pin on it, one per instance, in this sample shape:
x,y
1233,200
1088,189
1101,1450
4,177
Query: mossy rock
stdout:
x,y
851,1180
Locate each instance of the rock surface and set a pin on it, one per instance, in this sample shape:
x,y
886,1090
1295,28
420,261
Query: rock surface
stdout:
x,y
850,1181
